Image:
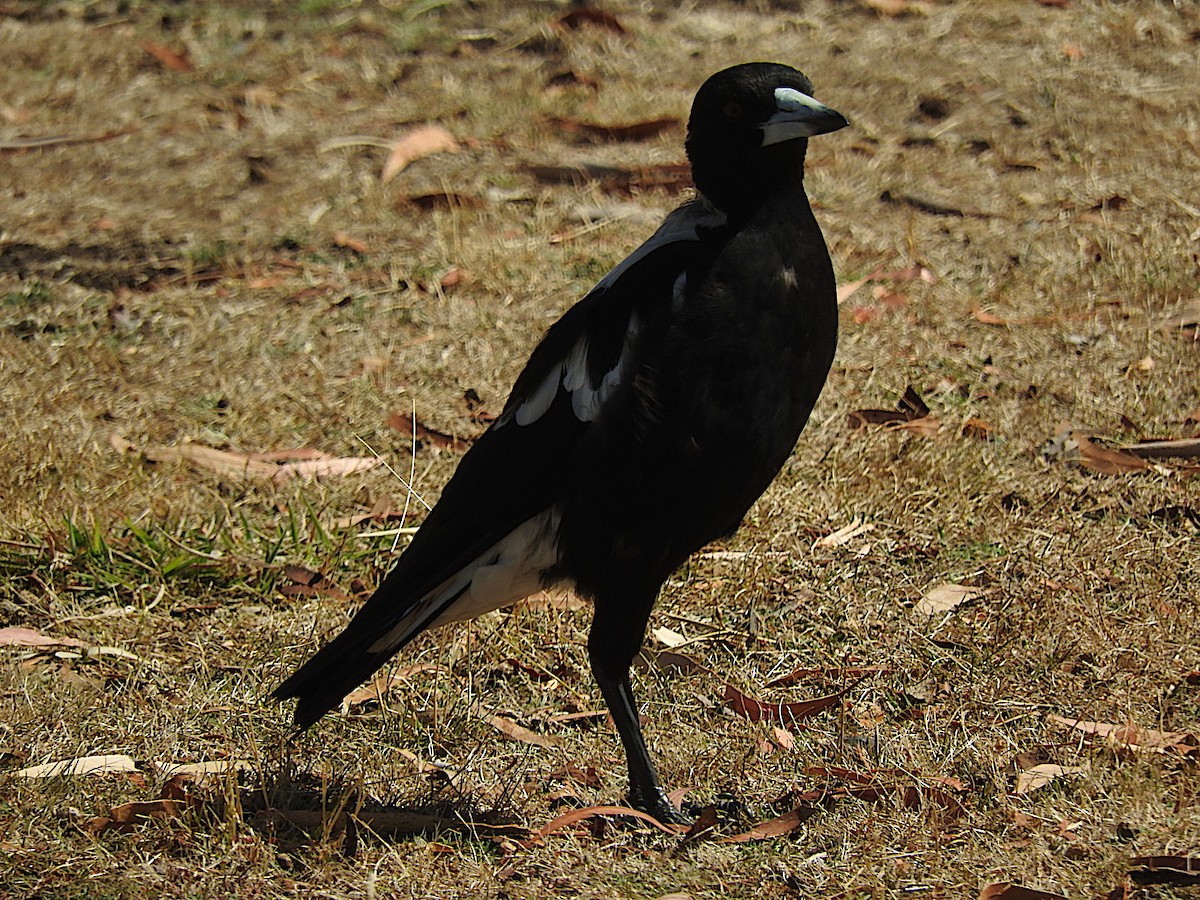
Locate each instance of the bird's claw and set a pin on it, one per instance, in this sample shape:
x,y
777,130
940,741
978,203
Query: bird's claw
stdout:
x,y
656,804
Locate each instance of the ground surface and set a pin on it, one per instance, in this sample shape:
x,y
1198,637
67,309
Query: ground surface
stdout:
x,y
212,260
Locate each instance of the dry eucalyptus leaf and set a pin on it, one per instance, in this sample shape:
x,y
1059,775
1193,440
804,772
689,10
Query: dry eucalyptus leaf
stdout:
x,y
415,144
669,638
1135,737
777,827
1041,775
511,729
944,598
104,764
15,636
857,526
1006,890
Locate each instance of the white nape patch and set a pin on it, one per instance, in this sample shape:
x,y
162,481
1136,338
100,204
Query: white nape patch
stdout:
x,y
506,572
791,100
788,277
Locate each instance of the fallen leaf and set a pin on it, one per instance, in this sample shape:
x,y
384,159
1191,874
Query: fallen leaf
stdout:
x,y
168,58
988,318
1006,890
857,527
887,7
705,825
932,208
589,15
911,413
1071,445
784,738
572,772
1181,870
631,131
912,273
1135,737
773,828
779,713
1041,775
834,673
977,429
416,144
229,464
452,277
301,575
672,177
584,716
1184,447
342,239
1186,317
668,638
880,786
512,730
892,300
427,768
944,598
864,778
1105,461
410,427
926,426
571,78
674,663
576,816
14,636
204,768
127,816
845,291
84,765
442,200
379,687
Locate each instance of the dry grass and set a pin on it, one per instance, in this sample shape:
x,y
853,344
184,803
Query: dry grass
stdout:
x,y
210,218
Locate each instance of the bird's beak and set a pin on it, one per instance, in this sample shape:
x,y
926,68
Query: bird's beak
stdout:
x,y
799,116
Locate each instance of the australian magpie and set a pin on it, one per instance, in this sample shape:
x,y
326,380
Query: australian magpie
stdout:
x,y
646,422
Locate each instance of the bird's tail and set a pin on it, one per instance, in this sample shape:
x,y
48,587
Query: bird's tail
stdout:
x,y
362,649
510,569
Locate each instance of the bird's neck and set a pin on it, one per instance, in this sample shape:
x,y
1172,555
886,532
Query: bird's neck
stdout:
x,y
742,199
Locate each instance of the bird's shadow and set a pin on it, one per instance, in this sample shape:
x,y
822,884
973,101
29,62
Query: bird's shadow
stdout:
x,y
299,811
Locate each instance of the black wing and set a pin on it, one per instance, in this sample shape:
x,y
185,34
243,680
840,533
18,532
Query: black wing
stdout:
x,y
524,463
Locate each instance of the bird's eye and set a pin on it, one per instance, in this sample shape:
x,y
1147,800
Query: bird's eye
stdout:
x,y
734,110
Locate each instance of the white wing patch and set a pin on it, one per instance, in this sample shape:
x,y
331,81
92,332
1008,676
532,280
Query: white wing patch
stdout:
x,y
572,374
539,401
509,570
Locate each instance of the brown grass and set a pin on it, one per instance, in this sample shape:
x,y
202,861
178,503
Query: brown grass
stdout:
x,y
180,281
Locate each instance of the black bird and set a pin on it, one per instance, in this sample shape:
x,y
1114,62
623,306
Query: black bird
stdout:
x,y
646,422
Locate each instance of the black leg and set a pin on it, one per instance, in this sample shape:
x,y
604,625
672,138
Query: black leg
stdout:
x,y
615,639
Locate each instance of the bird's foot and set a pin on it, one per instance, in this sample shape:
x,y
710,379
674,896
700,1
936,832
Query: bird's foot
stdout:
x,y
655,803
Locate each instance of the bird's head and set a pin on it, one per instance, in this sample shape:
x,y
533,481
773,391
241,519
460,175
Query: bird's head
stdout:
x,y
749,129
